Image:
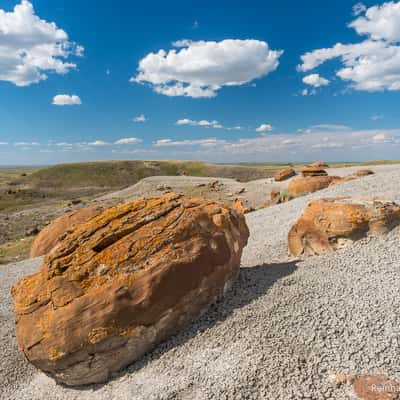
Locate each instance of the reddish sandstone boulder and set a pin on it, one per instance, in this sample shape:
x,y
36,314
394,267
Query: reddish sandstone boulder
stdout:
x,y
313,171
364,172
329,224
124,281
239,206
53,233
284,174
301,186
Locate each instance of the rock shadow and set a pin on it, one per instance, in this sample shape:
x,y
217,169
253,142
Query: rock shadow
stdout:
x,y
253,282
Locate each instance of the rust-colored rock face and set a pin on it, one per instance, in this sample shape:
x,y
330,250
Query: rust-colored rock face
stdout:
x,y
329,224
376,387
239,206
300,186
364,172
124,281
284,174
53,233
313,171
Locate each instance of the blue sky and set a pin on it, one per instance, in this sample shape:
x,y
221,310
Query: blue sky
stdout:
x,y
228,85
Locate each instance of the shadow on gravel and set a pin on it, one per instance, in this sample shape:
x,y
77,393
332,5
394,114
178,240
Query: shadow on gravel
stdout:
x,y
253,283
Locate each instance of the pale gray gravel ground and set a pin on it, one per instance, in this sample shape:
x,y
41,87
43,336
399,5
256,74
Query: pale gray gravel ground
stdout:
x,y
281,333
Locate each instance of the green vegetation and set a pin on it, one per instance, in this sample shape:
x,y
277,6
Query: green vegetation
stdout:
x,y
109,174
8,175
15,251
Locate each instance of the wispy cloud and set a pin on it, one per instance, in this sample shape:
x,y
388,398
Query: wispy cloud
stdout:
x,y
98,143
26,144
188,142
207,124
130,140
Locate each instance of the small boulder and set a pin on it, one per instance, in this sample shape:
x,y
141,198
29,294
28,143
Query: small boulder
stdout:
x,y
284,174
301,186
363,172
54,232
276,197
32,231
313,171
124,281
319,164
329,224
163,188
239,206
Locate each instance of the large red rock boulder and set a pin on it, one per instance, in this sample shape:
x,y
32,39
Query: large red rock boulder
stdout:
x,y
329,224
301,186
124,281
54,232
284,174
313,171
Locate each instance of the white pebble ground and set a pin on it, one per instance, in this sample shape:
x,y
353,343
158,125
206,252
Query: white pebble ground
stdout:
x,y
282,333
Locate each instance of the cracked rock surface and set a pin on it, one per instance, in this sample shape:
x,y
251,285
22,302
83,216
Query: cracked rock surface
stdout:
x,y
284,332
123,281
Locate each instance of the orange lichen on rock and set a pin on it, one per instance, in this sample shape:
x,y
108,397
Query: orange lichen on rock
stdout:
x,y
54,232
284,174
329,224
240,207
301,186
123,281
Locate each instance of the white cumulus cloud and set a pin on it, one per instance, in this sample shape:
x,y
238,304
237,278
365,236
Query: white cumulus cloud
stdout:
x,y
131,140
66,100
379,22
264,128
200,69
373,64
30,47
315,80
140,118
